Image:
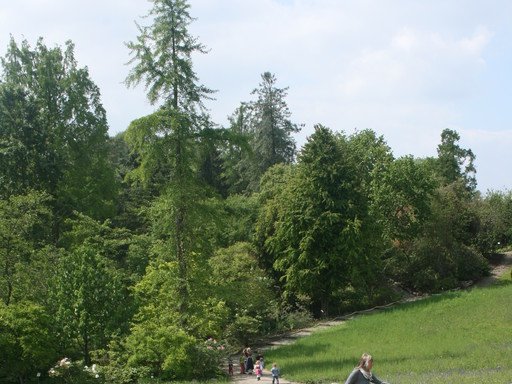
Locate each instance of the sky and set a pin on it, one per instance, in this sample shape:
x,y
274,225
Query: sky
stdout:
x,y
406,69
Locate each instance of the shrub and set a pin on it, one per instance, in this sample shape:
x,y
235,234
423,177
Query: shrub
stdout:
x,y
26,341
471,265
67,371
243,330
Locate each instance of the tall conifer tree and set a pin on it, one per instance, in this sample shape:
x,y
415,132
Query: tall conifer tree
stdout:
x,y
166,141
271,125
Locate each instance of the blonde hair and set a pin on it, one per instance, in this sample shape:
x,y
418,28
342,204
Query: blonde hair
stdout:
x,y
363,361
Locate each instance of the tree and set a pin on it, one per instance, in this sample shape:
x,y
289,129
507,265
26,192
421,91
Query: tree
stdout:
x,y
455,163
273,186
237,279
401,205
265,125
158,339
23,234
402,199
53,129
27,344
271,123
162,347
240,214
427,210
89,297
22,152
175,304
261,136
238,156
443,254
162,59
494,212
317,236
370,156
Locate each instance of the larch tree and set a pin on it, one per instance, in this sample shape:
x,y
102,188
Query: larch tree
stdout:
x,y
167,141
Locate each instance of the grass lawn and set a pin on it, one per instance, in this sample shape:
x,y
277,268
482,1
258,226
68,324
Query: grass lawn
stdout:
x,y
461,337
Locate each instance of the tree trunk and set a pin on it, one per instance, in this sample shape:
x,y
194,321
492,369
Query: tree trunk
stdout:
x,y
182,264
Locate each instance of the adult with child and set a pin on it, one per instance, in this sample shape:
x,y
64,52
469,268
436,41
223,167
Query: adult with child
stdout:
x,y
362,373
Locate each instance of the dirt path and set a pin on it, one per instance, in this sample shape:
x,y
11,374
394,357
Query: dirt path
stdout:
x,y
284,340
499,268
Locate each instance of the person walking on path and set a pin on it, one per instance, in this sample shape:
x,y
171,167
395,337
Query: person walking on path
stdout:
x,y
230,366
275,374
249,363
258,370
362,373
242,364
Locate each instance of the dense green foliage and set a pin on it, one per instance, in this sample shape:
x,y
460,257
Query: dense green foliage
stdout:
x,y
54,131
157,251
451,337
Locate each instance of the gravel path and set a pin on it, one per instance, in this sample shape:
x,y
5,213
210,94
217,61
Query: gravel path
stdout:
x,y
497,270
288,339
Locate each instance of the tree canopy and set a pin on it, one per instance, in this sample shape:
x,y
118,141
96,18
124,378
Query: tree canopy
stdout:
x,y
159,252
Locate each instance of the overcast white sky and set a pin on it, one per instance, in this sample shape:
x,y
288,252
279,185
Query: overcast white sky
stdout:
x,y
405,68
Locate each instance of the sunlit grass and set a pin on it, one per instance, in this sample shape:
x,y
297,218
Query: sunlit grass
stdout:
x,y
461,337
506,276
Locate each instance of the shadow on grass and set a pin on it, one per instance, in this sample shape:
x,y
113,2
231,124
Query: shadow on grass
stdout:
x,y
293,350
336,369
324,365
497,282
420,302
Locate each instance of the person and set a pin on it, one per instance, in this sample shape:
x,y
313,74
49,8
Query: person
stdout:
x,y
275,374
262,362
362,373
249,364
242,364
257,370
230,366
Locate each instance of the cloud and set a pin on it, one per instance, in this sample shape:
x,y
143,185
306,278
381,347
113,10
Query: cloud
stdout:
x,y
424,65
475,45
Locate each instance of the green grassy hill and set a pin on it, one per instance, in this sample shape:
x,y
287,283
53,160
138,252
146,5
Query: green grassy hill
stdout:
x,y
462,337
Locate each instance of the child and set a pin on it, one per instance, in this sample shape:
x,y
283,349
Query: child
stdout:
x,y
275,374
242,364
257,370
230,366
